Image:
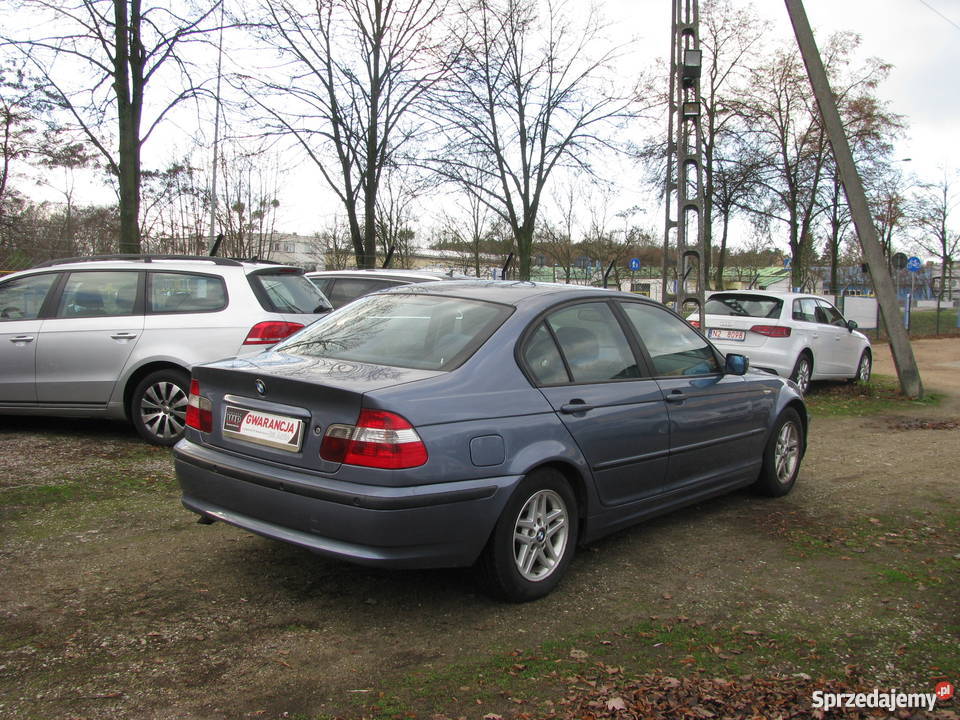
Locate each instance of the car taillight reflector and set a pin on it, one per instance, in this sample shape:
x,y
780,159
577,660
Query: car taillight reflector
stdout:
x,y
199,410
270,332
774,331
695,323
380,439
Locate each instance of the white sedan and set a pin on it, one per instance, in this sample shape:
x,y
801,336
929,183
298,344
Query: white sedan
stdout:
x,y
802,337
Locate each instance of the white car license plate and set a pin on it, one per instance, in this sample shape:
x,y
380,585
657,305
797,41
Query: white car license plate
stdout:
x,y
276,431
722,334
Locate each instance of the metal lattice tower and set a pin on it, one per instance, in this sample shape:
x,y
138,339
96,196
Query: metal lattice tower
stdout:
x,y
684,163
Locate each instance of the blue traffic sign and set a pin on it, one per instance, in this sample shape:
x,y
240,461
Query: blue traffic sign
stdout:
x,y
914,264
635,264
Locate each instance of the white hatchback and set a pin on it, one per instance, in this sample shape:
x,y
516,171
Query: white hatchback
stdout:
x,y
802,337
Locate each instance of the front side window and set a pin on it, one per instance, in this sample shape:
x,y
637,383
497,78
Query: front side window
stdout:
x,y
103,293
185,293
425,332
592,343
830,315
21,299
674,347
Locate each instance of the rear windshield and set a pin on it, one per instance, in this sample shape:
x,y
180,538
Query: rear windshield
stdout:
x,y
288,291
757,306
426,332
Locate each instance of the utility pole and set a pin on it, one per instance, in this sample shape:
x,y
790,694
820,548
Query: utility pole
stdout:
x,y
684,163
902,351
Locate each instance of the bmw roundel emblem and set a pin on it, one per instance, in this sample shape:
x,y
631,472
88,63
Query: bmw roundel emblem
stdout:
x,y
261,386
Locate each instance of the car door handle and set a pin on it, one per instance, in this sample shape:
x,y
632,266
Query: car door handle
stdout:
x,y
124,336
676,396
22,339
576,406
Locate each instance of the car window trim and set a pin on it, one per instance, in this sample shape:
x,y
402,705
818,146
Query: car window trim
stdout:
x,y
148,288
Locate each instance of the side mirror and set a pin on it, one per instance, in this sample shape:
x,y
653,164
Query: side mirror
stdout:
x,y
736,364
852,325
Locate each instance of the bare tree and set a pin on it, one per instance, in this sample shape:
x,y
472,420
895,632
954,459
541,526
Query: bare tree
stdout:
x,y
351,77
931,211
527,95
467,230
780,115
248,200
332,246
110,63
399,190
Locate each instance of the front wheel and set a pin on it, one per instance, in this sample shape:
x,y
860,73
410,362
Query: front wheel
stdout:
x,y
533,541
158,407
782,455
863,369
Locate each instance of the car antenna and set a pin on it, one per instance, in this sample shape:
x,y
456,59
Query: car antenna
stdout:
x,y
216,245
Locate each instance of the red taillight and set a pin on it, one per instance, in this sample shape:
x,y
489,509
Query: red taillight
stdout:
x,y
380,439
695,323
774,331
199,410
270,332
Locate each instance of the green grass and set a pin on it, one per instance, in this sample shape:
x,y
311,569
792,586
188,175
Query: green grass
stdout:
x,y
882,394
923,323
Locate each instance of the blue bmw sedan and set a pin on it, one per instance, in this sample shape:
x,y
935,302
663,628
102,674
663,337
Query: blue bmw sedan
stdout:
x,y
481,423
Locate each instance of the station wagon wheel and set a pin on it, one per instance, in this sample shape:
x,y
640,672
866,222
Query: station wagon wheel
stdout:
x,y
781,458
534,539
802,372
158,407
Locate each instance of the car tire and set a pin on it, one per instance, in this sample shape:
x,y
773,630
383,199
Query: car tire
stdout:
x,y
158,406
782,456
802,372
864,367
534,540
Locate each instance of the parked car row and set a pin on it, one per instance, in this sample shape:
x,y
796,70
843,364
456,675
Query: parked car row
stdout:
x,y
412,420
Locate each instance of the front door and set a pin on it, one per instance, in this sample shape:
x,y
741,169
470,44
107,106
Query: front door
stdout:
x,y
21,300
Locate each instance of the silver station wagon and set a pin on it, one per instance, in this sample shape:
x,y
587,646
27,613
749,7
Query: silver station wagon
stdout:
x,y
474,422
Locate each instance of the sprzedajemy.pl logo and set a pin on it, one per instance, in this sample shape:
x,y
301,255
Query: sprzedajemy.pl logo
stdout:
x,y
886,700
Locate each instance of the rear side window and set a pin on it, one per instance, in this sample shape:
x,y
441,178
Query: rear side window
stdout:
x,y
541,356
99,294
413,331
743,305
287,291
21,299
185,293
591,342
674,347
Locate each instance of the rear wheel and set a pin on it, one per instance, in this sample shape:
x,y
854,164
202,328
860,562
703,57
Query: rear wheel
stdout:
x,y
533,541
781,457
802,372
158,407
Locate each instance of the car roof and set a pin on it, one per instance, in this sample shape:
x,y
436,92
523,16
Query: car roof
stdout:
x,y
507,292
384,273
765,293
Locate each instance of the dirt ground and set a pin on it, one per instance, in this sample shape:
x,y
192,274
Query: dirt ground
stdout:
x,y
114,603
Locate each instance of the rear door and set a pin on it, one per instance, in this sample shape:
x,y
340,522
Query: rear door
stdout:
x,y
845,346
581,358
21,301
84,347
717,421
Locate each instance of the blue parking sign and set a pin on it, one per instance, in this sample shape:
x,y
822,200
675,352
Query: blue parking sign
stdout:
x,y
914,264
635,264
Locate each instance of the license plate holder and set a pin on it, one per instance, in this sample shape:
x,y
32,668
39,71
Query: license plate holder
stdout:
x,y
724,334
280,432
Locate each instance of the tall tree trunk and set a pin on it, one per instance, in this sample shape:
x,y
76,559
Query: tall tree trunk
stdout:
x,y
128,85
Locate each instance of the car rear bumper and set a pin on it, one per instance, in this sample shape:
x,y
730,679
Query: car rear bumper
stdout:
x,y
441,525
